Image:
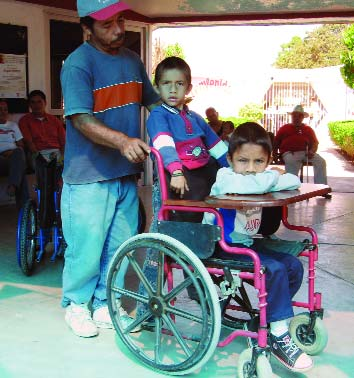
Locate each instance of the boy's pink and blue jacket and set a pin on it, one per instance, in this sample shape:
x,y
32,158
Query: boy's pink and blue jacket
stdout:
x,y
183,138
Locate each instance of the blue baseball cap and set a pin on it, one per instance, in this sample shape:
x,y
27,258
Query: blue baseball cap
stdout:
x,y
100,9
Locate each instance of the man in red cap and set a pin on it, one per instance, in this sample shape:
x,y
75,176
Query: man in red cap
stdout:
x,y
104,86
297,144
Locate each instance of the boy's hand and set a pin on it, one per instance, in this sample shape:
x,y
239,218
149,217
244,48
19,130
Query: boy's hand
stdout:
x,y
179,185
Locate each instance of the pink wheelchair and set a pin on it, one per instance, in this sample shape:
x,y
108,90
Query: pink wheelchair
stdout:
x,y
177,335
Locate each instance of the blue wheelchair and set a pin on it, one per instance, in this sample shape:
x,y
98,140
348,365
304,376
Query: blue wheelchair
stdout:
x,y
39,221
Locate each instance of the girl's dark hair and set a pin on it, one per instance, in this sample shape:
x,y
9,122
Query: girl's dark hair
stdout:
x,y
170,63
250,132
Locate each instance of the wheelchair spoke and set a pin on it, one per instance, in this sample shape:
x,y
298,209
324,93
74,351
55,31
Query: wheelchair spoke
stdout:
x,y
158,341
140,274
160,273
178,335
178,289
130,294
185,314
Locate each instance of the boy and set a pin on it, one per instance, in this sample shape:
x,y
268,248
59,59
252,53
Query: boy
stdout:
x,y
188,146
249,155
190,149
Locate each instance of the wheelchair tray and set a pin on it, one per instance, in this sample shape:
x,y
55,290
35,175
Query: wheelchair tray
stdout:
x,y
199,238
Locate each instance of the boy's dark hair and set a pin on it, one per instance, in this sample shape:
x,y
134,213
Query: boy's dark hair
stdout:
x,y
4,100
37,92
170,63
250,132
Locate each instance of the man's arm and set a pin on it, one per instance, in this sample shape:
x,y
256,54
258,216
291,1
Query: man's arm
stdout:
x,y
61,135
313,148
134,149
313,145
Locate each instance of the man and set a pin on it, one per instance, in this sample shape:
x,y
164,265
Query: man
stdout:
x,y
42,132
12,156
104,85
297,144
213,119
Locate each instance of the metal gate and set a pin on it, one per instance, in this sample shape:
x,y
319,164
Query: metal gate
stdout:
x,y
282,97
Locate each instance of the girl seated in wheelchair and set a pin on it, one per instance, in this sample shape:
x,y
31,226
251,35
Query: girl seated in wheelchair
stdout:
x,y
249,155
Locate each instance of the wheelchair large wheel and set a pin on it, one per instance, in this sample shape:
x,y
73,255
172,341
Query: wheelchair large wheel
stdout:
x,y
262,369
312,342
27,237
178,334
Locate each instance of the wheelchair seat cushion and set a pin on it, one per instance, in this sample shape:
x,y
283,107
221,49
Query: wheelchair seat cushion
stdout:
x,y
291,247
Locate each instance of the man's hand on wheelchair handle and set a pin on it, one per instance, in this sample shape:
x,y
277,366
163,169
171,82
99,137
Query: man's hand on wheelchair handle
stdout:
x,y
135,150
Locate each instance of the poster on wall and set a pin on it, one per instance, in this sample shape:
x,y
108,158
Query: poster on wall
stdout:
x,y
13,76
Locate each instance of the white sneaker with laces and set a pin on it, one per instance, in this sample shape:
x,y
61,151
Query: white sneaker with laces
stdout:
x,y
78,318
102,318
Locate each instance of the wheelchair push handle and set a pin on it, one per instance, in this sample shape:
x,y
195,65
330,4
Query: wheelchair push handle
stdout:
x,y
160,170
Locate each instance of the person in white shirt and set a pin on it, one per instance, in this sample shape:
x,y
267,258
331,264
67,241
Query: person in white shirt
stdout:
x,y
12,156
249,154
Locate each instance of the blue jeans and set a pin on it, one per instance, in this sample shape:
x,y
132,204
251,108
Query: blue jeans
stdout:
x,y
284,273
97,218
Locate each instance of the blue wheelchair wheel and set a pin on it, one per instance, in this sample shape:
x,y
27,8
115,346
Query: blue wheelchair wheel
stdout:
x,y
27,237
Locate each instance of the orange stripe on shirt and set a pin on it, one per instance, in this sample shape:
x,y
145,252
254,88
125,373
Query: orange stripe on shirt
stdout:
x,y
117,95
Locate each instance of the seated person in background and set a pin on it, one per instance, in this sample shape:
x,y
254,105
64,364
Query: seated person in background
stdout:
x,y
12,156
227,129
249,154
297,144
213,120
42,132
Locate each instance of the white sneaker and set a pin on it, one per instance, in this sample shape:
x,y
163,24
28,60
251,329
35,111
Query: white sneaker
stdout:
x,y
102,318
78,318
